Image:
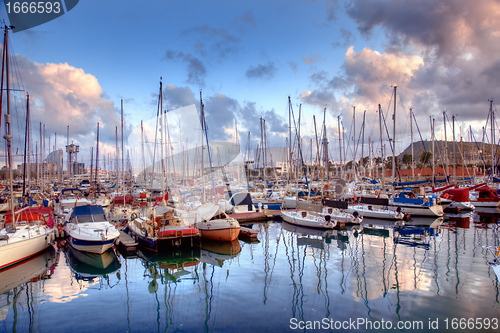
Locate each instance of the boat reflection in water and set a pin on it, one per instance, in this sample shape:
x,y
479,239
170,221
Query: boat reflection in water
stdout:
x,y
21,284
172,266
215,253
88,266
409,273
317,238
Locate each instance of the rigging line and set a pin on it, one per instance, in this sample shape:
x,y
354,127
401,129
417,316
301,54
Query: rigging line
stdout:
x,y
392,148
300,150
482,158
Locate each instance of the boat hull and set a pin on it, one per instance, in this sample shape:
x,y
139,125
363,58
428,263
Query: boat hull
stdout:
x,y
435,210
309,221
491,204
15,252
384,214
225,235
97,247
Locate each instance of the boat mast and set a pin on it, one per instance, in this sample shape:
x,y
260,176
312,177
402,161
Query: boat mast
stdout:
x,y
26,148
454,149
163,203
8,135
123,166
363,144
433,139
381,142
142,145
97,158
353,168
340,146
202,116
445,147
394,136
411,138
290,172
492,139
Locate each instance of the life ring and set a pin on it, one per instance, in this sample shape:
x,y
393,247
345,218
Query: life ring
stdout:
x,y
446,196
377,193
133,216
426,200
439,201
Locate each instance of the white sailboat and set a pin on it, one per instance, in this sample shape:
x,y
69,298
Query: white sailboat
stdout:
x,y
24,235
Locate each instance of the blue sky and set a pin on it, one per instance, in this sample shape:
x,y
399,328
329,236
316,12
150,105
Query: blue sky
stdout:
x,y
248,57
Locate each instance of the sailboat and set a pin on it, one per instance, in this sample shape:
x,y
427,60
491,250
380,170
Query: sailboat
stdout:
x,y
20,239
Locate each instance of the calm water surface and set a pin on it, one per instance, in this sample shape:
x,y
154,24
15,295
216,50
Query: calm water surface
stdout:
x,y
374,273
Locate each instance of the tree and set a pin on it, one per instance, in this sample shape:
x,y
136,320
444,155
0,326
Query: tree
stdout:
x,y
407,159
425,157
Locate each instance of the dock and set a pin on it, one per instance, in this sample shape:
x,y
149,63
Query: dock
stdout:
x,y
247,232
127,242
257,216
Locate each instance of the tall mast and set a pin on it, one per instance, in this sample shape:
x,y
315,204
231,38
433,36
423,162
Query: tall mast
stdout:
x,y
432,138
381,142
26,148
445,146
340,146
161,146
8,135
325,146
202,116
454,149
123,166
97,157
394,136
411,138
354,135
67,150
363,144
290,138
142,145
492,139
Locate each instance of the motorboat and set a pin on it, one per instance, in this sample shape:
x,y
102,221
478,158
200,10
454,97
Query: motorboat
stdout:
x,y
484,196
214,223
417,206
87,229
69,198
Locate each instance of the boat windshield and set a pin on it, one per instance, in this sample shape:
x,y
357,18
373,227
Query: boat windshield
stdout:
x,y
91,218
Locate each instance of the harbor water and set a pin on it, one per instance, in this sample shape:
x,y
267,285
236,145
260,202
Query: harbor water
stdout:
x,y
425,276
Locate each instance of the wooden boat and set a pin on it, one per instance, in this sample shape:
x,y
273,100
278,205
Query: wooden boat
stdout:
x,y
162,227
214,224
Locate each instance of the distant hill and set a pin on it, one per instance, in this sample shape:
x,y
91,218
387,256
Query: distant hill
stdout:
x,y
469,151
